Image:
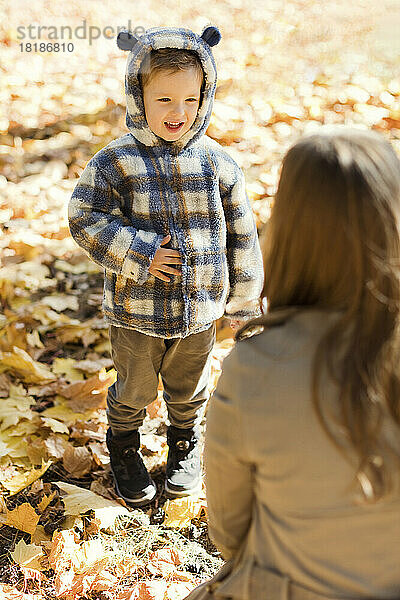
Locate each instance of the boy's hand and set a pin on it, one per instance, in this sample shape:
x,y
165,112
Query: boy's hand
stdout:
x,y
235,324
162,259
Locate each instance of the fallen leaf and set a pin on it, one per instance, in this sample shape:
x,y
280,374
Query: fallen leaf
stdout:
x,y
64,553
24,518
63,413
100,453
26,554
144,590
39,536
45,501
66,367
22,480
91,393
93,366
16,407
179,590
61,302
181,511
55,425
9,592
79,501
55,446
77,460
23,365
5,384
32,574
163,562
36,450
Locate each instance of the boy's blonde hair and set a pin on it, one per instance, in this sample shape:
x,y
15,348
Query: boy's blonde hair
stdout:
x,y
168,59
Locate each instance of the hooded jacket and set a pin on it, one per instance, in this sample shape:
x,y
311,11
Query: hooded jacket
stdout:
x,y
140,188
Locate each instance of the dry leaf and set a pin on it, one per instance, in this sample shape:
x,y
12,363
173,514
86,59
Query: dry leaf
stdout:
x,y
179,590
100,453
79,501
61,302
32,574
16,407
9,592
27,555
144,590
77,460
93,366
55,425
23,365
65,551
45,501
5,383
55,446
181,511
89,431
22,480
40,536
66,367
163,562
24,518
91,393
36,451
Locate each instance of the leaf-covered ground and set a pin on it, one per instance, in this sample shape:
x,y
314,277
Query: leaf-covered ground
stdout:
x,y
284,68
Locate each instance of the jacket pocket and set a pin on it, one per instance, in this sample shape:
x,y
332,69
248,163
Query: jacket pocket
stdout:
x,y
120,289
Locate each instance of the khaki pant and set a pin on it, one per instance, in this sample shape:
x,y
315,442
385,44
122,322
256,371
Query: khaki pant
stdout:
x,y
184,365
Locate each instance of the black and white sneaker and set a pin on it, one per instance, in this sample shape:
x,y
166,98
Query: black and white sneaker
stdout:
x,y
132,481
183,463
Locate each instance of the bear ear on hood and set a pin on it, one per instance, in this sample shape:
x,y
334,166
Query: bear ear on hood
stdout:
x,y
211,35
126,40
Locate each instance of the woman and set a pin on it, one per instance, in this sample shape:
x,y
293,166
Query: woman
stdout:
x,y
302,448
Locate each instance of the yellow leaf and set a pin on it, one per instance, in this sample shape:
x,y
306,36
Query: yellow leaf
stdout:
x,y
55,425
45,501
65,366
61,302
40,536
21,481
31,371
15,407
181,511
24,554
24,518
79,500
63,413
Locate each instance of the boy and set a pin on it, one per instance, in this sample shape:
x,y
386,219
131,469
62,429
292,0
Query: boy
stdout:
x,y
163,210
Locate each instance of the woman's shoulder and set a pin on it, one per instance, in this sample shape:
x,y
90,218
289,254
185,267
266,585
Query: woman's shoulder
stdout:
x,y
284,337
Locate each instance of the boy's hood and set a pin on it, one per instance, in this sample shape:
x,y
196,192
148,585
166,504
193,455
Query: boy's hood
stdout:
x,y
154,39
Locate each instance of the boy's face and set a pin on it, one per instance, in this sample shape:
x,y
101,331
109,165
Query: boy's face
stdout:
x,y
171,101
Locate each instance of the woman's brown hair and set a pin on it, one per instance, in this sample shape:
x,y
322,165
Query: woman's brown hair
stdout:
x,y
333,243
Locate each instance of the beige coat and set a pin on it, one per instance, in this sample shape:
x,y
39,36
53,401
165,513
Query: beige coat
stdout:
x,y
279,493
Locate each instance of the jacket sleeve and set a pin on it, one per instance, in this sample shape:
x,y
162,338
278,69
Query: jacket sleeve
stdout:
x,y
98,225
243,248
229,472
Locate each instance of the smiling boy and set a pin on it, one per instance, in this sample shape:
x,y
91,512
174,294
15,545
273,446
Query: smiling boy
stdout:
x,y
163,210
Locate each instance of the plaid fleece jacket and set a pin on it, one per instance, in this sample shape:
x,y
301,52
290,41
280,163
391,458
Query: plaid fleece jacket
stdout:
x,y
140,188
